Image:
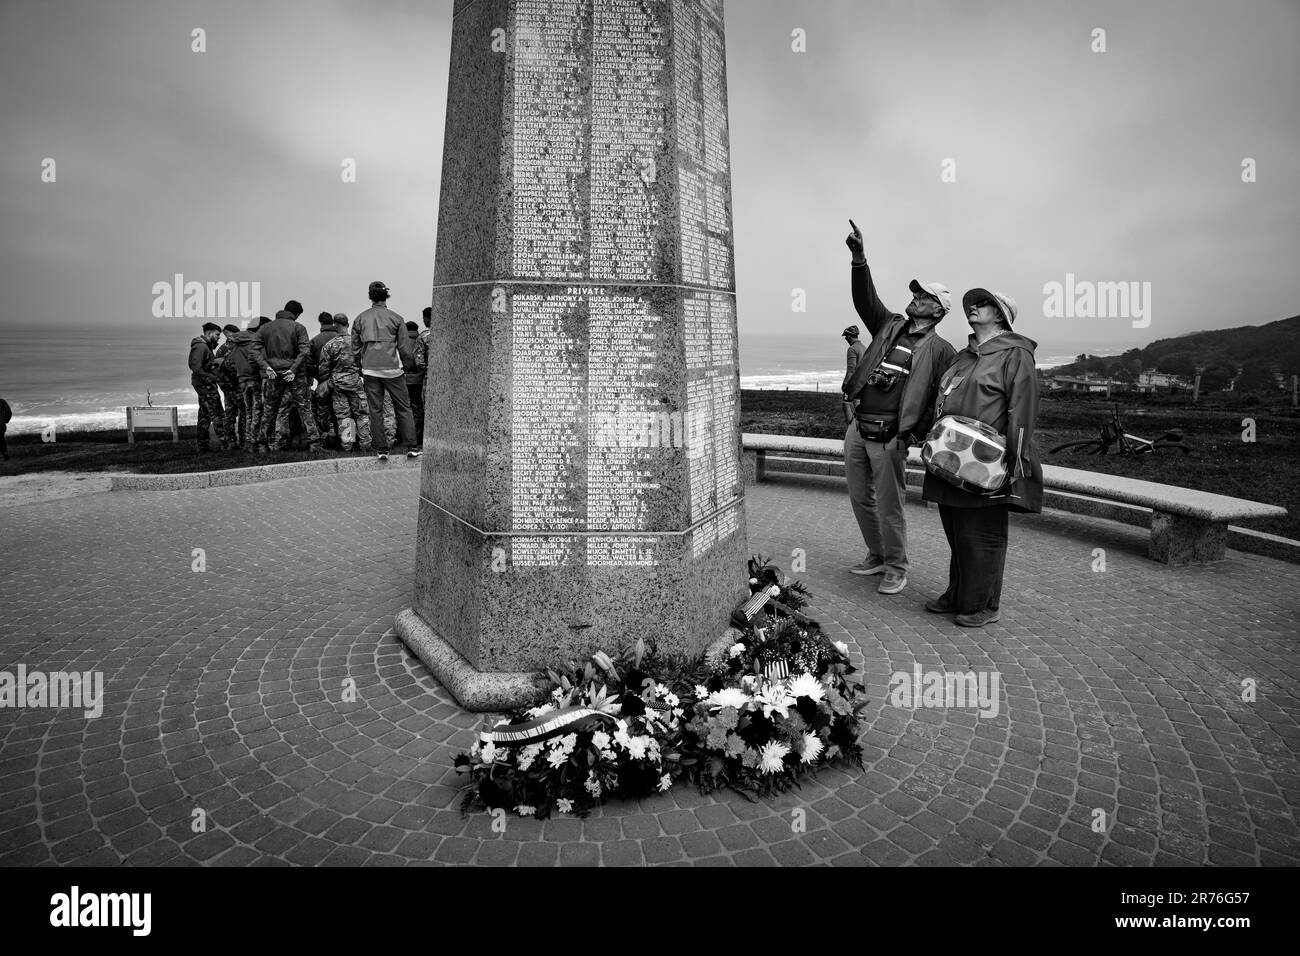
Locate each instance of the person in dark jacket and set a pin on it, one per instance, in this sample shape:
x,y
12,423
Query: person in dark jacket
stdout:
x,y
892,387
415,383
321,405
422,363
249,364
228,382
287,350
203,376
857,349
993,380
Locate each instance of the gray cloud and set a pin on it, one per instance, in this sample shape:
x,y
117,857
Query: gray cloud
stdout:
x,y
225,165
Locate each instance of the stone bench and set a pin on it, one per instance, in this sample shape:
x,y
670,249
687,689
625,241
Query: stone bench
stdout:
x,y
1186,525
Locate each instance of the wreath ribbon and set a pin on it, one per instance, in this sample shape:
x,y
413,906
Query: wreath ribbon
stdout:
x,y
540,728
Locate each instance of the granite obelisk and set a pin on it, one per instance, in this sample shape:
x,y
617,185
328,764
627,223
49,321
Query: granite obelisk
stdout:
x,y
581,484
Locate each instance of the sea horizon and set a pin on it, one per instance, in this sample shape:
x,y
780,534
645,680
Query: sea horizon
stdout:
x,y
84,379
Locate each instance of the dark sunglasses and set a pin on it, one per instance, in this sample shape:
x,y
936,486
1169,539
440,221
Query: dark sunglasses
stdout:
x,y
981,303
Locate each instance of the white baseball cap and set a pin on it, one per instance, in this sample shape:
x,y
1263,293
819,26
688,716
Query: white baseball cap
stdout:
x,y
936,289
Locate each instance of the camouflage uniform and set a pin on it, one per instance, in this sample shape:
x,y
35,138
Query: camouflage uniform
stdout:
x,y
203,376
286,396
249,365
390,420
228,382
338,366
421,363
322,409
286,349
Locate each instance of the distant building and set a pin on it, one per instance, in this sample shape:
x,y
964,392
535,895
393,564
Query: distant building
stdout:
x,y
1150,381
1086,383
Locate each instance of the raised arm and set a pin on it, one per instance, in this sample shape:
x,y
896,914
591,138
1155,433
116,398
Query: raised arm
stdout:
x,y
865,300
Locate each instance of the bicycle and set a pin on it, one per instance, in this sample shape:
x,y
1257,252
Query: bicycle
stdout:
x,y
1113,434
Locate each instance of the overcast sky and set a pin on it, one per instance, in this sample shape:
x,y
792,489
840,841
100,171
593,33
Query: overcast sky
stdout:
x,y
1115,166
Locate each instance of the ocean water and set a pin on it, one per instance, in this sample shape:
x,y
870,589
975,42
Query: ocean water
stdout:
x,y
85,378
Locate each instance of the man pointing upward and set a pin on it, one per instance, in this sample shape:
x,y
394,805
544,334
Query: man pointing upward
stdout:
x,y
893,390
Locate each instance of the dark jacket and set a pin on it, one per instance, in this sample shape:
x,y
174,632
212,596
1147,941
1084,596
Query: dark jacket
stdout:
x,y
930,357
285,344
203,367
317,343
381,342
227,376
247,358
995,383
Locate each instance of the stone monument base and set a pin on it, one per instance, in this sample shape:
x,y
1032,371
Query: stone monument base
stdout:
x,y
488,691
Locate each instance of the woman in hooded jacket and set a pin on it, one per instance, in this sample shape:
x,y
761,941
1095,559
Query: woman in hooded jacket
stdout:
x,y
992,380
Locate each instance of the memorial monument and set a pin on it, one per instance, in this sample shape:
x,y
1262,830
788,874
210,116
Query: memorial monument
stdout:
x,y
580,485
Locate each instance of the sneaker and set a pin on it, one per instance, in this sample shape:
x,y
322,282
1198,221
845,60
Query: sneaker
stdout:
x,y
892,583
977,619
940,605
872,565
415,453
382,455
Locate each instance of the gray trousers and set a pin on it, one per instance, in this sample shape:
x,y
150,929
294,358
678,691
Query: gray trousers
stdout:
x,y
877,490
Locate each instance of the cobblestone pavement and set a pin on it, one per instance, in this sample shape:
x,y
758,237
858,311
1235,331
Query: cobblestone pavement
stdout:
x,y
1122,692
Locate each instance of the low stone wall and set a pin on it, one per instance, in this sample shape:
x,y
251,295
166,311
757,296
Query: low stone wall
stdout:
x,y
1239,539
255,474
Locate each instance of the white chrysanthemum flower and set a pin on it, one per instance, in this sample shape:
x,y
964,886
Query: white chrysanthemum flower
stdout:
x,y
525,811
564,806
736,649
812,748
473,751
771,755
557,758
671,699
488,752
728,697
600,740
842,648
701,692
665,782
774,591
661,690
540,710
528,754
636,747
593,786
753,580
805,685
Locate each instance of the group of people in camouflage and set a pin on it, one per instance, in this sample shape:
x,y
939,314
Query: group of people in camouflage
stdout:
x,y
360,389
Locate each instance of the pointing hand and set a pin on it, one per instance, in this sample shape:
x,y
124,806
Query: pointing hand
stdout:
x,y
854,242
